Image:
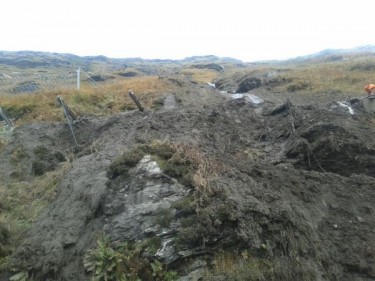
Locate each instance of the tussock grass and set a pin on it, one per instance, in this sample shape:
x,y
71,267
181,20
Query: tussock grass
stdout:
x,y
109,98
206,169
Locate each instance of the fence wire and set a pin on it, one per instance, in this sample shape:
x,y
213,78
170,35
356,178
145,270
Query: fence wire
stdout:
x,y
29,82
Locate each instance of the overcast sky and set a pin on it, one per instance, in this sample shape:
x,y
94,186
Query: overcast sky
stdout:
x,y
175,29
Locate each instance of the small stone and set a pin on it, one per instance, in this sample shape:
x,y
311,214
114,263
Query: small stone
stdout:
x,y
360,219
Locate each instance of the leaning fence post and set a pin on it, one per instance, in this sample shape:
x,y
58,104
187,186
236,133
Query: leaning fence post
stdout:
x,y
136,100
69,114
6,119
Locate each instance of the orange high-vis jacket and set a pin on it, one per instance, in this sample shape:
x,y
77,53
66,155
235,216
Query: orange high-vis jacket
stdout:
x,y
369,88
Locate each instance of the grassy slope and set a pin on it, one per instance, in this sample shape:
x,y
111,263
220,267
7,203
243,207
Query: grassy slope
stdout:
x,y
107,99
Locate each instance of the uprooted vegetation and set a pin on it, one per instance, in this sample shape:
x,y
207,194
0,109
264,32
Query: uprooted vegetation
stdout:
x,y
177,160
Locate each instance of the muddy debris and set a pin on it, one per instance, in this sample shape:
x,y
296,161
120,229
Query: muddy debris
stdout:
x,y
284,189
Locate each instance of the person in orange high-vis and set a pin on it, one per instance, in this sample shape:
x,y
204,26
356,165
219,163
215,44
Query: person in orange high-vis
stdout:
x,y
370,88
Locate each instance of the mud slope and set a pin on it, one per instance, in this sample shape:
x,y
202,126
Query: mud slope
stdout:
x,y
292,185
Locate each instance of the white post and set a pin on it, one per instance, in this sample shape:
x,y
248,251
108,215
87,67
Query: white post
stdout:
x,y
78,79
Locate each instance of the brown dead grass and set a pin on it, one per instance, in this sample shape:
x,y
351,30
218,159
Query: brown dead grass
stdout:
x,y
200,75
332,78
107,99
207,169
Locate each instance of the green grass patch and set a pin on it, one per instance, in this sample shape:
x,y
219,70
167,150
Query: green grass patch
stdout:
x,y
164,217
18,111
125,262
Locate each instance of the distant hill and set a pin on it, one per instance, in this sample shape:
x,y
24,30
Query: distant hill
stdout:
x,y
32,59
336,54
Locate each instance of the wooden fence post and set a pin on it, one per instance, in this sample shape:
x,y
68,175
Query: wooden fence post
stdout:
x,y
136,100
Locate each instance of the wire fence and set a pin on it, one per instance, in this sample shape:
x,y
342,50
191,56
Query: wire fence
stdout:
x,y
30,82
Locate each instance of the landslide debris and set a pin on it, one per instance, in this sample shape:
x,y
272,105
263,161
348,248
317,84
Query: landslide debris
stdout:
x,y
215,192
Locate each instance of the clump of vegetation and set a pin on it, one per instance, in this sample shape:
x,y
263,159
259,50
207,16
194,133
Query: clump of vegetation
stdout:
x,y
149,246
161,151
3,143
240,267
123,263
18,111
4,240
301,85
169,158
187,164
206,219
20,203
277,81
164,217
46,160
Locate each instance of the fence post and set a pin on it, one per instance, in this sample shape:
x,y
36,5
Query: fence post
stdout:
x,y
136,100
70,116
78,79
6,119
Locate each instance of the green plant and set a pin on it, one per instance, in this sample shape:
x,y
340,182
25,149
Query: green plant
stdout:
x,y
185,206
107,264
160,272
121,165
148,246
17,111
164,217
124,263
4,240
